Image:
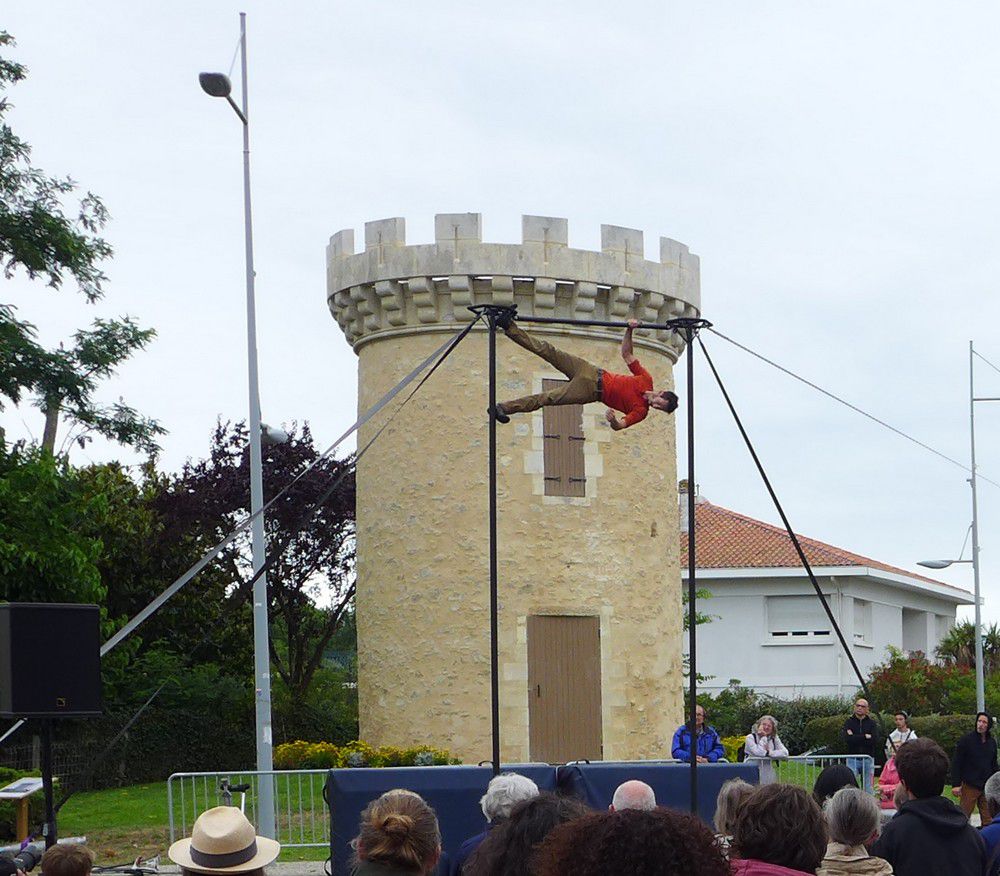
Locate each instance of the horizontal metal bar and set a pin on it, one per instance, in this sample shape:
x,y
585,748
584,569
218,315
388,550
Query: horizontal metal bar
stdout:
x,y
987,398
600,323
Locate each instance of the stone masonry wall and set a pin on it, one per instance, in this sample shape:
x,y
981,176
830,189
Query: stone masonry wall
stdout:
x,y
423,576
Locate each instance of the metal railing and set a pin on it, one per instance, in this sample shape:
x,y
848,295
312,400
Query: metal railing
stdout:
x,y
301,817
803,769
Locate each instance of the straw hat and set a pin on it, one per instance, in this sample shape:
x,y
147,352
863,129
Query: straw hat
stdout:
x,y
224,841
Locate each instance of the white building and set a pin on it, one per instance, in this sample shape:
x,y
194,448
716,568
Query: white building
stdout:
x,y
769,629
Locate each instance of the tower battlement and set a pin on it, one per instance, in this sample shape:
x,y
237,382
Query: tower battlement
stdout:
x,y
392,288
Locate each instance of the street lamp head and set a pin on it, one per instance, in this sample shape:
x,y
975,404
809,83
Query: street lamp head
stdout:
x,y
215,84
935,564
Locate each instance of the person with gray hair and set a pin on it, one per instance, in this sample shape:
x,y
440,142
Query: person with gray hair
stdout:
x,y
503,793
633,794
764,746
991,833
731,796
852,817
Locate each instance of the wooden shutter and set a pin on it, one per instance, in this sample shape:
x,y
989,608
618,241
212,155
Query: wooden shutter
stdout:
x,y
562,426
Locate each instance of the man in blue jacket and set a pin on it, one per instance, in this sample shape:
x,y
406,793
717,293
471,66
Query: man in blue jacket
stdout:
x,y
709,747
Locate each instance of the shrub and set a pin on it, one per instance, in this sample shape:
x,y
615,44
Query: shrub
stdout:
x,y
915,684
943,729
735,710
325,755
732,745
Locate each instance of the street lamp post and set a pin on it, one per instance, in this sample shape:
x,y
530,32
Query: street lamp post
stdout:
x,y
943,564
217,85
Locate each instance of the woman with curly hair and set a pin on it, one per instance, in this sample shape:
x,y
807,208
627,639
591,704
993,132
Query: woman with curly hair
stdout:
x,y
779,831
507,849
399,836
661,842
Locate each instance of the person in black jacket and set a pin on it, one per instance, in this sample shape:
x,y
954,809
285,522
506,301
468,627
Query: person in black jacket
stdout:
x,y
974,762
929,836
859,731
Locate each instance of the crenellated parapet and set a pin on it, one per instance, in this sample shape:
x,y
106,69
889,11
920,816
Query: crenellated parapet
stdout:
x,y
392,288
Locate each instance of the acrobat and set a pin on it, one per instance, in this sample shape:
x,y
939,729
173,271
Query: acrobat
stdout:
x,y
631,394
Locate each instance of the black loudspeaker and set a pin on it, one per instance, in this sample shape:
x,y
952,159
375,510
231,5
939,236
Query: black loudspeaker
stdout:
x,y
50,660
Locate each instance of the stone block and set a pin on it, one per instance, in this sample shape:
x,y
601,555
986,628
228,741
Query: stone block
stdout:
x,y
547,230
385,233
452,227
671,251
615,238
341,244
503,290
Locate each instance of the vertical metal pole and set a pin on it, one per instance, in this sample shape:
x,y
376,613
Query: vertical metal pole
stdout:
x,y
980,686
50,832
692,584
494,654
261,649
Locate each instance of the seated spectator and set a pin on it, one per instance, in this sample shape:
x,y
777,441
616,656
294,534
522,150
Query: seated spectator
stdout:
x,y
929,834
399,836
779,831
763,742
222,841
888,781
507,849
633,795
662,842
852,817
67,860
991,833
709,746
901,734
731,796
831,780
503,793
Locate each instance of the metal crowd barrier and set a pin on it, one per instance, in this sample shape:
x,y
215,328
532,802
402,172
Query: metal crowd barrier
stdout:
x,y
803,769
301,819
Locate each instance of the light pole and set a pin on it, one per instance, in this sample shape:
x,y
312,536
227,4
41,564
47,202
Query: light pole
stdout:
x,y
943,564
217,85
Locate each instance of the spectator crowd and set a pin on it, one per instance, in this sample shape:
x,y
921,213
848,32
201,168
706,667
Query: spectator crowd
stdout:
x,y
910,828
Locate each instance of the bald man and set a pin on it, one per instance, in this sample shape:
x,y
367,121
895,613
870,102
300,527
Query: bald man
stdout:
x,y
633,794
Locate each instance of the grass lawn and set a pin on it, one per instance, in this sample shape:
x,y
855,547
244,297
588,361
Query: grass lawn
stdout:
x,y
123,823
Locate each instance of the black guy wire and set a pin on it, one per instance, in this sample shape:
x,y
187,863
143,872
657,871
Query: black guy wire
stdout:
x,y
854,408
246,587
788,527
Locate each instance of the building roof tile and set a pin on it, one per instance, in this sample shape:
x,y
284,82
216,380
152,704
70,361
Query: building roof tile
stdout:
x,y
727,540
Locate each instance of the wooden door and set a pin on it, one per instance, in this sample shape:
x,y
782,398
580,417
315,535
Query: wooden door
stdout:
x,y
564,688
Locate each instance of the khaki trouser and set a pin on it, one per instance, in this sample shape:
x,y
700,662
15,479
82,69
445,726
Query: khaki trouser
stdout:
x,y
581,388
970,798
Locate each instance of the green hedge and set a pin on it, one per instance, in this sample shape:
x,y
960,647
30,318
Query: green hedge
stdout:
x,y
8,808
943,729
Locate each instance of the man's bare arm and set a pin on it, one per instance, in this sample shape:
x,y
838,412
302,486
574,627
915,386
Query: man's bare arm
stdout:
x,y
627,354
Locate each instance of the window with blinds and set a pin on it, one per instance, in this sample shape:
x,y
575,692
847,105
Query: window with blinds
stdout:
x,y
562,428
793,618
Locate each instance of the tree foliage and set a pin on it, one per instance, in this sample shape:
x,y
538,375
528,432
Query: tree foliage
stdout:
x,y
45,553
958,647
51,232
36,232
311,583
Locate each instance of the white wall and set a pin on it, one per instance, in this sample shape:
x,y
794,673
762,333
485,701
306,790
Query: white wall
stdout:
x,y
738,643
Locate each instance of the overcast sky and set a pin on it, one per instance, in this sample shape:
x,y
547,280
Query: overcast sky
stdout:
x,y
834,165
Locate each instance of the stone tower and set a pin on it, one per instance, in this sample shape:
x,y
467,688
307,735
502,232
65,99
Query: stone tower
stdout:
x,y
589,578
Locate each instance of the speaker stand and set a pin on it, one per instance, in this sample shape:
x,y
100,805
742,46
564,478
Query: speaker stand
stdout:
x,y
49,829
